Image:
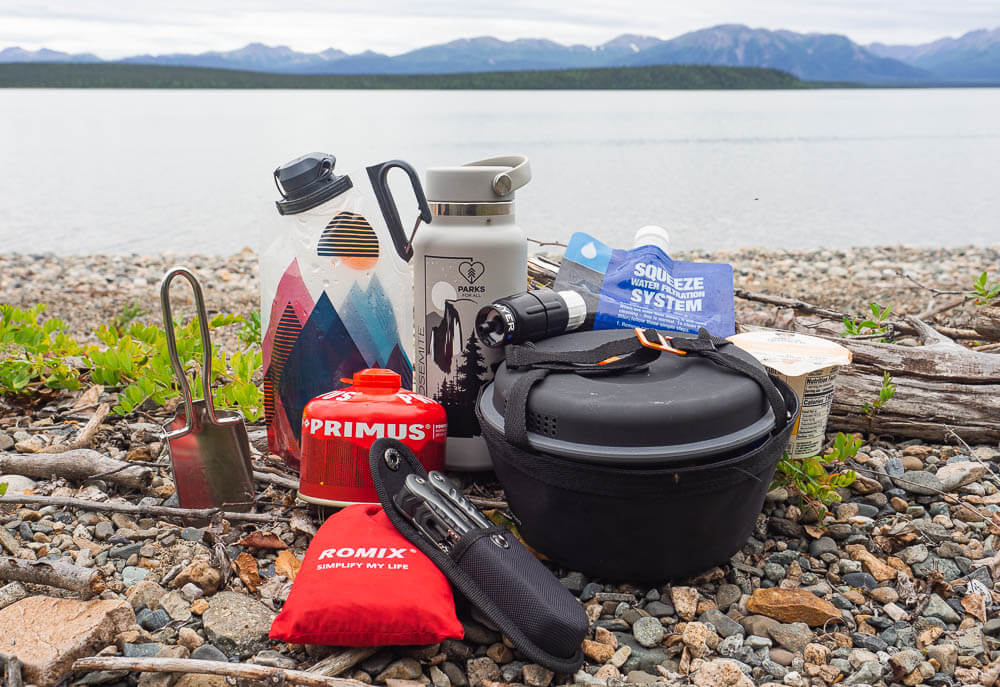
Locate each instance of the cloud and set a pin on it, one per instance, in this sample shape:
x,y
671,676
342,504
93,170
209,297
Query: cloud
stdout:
x,y
112,28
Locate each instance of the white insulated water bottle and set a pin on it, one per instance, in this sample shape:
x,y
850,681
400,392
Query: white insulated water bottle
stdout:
x,y
471,254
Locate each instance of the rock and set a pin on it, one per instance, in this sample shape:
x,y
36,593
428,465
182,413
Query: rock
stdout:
x,y
195,680
648,632
894,612
189,639
597,652
635,677
621,655
782,657
723,624
176,606
695,638
658,609
590,590
207,652
792,606
152,620
455,674
537,676
877,568
904,662
500,653
863,640
237,623
191,591
792,636
480,669
869,673
17,484
947,567
860,580
404,669
884,595
438,677
758,625
199,606
727,595
201,574
817,654
914,554
952,475
12,593
478,634
685,600
946,655
822,545
919,482
132,575
144,650
574,582
48,634
939,608
721,672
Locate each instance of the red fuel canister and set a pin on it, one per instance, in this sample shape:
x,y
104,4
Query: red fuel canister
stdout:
x,y
339,428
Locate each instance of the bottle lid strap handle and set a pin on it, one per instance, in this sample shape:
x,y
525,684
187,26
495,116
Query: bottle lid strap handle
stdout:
x,y
514,178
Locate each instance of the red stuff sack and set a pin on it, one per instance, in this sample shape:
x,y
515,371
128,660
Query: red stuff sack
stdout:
x,y
363,584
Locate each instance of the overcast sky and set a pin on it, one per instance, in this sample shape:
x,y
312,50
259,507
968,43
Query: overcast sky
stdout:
x,y
115,28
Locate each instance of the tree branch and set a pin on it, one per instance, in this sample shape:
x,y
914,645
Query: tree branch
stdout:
x,y
236,670
167,512
85,581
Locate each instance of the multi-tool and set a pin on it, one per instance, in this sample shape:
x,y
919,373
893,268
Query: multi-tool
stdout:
x,y
438,509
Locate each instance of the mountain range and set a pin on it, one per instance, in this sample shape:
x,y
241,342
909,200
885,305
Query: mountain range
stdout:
x,y
972,58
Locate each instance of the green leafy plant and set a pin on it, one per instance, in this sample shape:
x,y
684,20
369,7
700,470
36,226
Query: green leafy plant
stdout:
x,y
241,391
130,312
3,488
885,393
873,325
250,334
35,352
985,291
130,356
816,478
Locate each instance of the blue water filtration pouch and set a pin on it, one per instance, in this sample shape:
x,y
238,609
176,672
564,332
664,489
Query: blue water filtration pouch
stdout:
x,y
645,287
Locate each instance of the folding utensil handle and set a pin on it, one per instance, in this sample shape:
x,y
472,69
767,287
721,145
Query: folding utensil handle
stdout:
x,y
206,347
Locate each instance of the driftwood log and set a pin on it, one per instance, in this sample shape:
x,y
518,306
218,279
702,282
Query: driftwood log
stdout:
x,y
192,515
85,581
77,465
187,666
941,387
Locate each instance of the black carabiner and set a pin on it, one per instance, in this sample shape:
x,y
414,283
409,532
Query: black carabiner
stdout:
x,y
377,174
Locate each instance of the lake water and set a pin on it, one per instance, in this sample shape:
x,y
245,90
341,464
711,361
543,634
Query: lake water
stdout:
x,y
142,171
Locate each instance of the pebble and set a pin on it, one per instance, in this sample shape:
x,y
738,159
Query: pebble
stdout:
x,y
863,640
939,608
152,620
131,575
860,579
648,632
723,624
207,652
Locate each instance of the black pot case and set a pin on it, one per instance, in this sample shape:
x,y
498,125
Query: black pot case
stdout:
x,y
650,467
503,580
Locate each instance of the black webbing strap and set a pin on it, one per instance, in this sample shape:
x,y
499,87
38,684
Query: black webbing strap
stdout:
x,y
617,356
713,348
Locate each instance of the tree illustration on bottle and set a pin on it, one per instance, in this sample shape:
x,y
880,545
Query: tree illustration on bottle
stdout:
x,y
458,395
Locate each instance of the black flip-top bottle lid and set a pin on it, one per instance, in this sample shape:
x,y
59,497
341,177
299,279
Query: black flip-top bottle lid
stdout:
x,y
308,181
678,410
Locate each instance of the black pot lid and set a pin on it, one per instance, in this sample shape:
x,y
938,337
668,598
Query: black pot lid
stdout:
x,y
677,409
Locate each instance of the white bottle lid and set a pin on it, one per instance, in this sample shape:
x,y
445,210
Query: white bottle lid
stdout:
x,y
652,235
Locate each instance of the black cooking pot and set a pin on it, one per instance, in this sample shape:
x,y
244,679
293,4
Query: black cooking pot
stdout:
x,y
649,467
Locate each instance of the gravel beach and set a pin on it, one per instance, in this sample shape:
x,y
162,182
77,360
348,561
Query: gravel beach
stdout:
x,y
901,586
